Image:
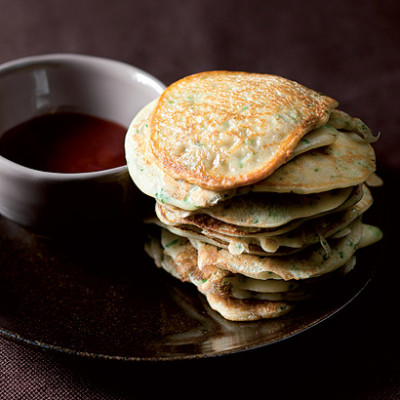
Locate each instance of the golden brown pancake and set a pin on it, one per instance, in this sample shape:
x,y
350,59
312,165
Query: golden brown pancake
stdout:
x,y
223,129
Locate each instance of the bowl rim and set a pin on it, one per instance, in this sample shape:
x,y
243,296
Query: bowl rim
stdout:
x,y
23,62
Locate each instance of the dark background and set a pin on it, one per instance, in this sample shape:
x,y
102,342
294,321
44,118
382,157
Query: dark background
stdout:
x,y
349,50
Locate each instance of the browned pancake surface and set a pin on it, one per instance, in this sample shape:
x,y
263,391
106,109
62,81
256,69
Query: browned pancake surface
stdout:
x,y
225,129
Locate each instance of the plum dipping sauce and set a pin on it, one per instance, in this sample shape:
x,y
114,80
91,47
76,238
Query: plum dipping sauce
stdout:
x,y
65,142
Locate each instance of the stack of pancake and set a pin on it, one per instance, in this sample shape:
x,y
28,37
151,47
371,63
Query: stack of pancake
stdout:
x,y
260,185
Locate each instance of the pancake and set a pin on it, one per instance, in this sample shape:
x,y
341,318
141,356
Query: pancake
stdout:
x,y
223,129
371,234
316,138
348,161
343,121
269,210
312,262
155,182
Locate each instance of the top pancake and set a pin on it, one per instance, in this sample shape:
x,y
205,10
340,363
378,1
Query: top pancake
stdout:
x,y
225,129
154,182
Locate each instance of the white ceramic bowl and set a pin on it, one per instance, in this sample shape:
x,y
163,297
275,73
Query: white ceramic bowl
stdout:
x,y
63,203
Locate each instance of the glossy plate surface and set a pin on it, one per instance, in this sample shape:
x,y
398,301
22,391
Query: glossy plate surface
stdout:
x,y
105,298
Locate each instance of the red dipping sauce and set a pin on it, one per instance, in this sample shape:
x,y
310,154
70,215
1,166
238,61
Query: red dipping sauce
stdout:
x,y
65,142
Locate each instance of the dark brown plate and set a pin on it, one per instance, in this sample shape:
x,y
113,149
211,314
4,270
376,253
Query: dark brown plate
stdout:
x,y
104,298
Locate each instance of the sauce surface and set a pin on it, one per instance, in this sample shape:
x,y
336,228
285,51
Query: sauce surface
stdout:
x,y
66,142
